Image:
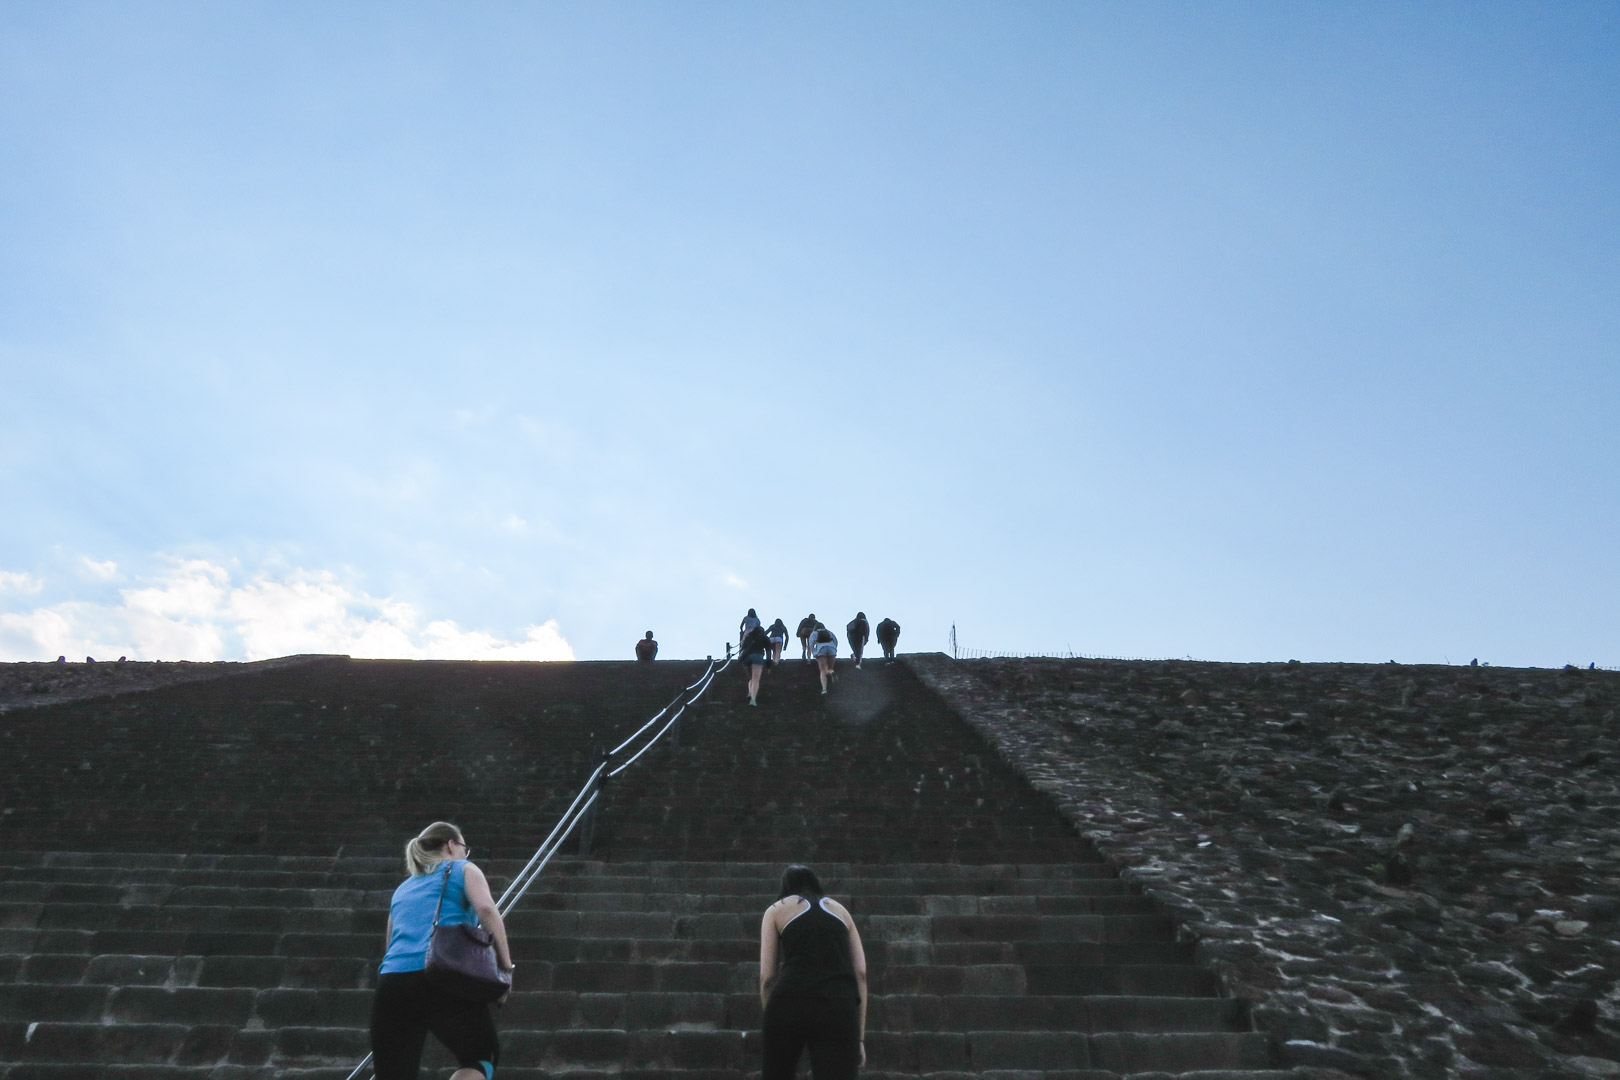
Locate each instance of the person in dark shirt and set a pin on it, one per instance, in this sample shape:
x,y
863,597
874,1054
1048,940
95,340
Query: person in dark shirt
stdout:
x,y
755,644
778,635
812,982
888,635
857,633
647,649
807,626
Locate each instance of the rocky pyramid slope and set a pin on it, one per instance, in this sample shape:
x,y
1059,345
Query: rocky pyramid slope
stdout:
x,y
1000,943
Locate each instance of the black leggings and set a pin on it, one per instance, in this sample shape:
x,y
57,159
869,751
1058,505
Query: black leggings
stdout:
x,y
403,1011
830,1027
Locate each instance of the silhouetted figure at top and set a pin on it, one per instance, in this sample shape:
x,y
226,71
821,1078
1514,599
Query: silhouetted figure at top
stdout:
x,y
647,649
778,634
857,632
824,643
750,621
755,647
888,636
807,626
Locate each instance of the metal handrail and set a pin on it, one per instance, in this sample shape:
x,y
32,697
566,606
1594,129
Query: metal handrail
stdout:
x,y
576,810
711,668
555,848
706,682
524,872
650,743
661,712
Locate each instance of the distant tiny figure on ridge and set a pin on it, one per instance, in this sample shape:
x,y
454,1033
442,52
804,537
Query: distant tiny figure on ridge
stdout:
x,y
888,636
647,649
824,645
779,635
812,982
406,1006
857,634
807,626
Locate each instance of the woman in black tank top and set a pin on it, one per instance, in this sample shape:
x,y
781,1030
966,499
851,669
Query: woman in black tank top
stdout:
x,y
812,982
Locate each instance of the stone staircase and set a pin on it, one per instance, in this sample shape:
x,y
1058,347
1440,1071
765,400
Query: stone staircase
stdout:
x,y
999,944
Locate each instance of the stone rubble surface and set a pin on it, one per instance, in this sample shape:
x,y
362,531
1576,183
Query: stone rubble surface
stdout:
x,y
1406,871
24,684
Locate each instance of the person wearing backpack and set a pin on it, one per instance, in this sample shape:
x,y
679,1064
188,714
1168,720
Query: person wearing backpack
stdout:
x,y
824,646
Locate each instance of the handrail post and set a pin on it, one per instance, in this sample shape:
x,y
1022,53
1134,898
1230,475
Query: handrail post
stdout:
x,y
675,731
587,827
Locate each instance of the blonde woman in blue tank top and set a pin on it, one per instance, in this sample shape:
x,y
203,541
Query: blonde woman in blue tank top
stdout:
x,y
406,1007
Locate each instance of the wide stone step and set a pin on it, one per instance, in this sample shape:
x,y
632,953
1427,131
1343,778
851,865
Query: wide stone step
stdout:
x,y
172,918
274,1008
560,869
520,1072
340,972
615,1048
560,876
17,895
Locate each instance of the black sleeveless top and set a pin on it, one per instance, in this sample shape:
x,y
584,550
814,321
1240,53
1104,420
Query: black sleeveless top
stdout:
x,y
816,961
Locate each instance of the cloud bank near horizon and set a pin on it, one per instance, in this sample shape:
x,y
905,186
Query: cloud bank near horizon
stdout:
x,y
195,609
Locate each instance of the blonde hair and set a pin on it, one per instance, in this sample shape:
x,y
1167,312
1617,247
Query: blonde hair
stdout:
x,y
426,850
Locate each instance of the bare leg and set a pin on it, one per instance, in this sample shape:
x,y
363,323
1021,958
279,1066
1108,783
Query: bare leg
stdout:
x,y
824,669
753,683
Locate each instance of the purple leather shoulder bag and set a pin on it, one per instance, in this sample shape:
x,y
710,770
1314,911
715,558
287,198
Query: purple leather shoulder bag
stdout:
x,y
461,958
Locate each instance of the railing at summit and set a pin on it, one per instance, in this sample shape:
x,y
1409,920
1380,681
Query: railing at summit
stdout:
x,y
584,811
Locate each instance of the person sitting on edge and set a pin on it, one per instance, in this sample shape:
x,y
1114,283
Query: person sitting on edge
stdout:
x,y
857,633
807,626
888,635
647,649
778,635
756,644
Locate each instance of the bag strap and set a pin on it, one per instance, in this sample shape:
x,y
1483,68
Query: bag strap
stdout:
x,y
449,866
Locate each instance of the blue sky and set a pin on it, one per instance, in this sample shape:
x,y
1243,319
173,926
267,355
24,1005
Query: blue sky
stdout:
x,y
1235,331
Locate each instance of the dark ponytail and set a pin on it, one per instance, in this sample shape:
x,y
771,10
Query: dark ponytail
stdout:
x,y
799,880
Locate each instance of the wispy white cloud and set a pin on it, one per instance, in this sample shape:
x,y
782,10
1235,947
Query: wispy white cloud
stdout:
x,y
15,581
102,571
197,610
515,524
735,582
